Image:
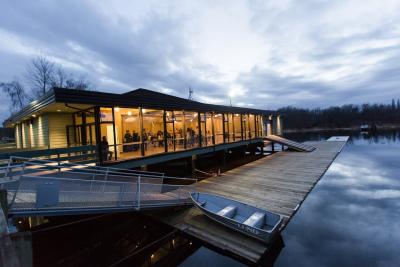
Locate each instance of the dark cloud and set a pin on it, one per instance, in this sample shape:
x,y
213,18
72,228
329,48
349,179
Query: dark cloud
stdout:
x,y
308,53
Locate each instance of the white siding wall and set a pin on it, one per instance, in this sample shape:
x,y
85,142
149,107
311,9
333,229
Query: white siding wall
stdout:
x,y
17,130
40,132
25,135
57,129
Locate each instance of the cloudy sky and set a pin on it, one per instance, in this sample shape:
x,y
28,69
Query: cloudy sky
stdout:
x,y
264,54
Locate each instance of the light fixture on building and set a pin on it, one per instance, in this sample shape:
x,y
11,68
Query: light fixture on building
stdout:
x,y
58,110
143,110
167,113
129,113
34,115
116,109
152,255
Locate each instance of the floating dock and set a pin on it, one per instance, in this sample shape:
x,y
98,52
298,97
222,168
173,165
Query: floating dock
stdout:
x,y
279,183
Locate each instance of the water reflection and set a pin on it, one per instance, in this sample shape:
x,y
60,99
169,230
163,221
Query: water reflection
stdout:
x,y
351,218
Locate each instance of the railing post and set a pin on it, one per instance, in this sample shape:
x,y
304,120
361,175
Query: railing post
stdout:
x,y
106,178
8,167
91,183
58,162
139,191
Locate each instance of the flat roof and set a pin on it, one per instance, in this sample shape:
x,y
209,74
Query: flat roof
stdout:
x,y
137,98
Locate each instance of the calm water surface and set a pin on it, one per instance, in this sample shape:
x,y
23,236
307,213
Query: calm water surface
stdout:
x,y
351,218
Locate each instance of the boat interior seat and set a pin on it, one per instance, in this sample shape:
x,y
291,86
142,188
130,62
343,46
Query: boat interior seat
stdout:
x,y
228,211
257,220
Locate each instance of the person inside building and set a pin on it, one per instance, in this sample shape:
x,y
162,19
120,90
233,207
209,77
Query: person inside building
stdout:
x,y
105,149
135,139
127,139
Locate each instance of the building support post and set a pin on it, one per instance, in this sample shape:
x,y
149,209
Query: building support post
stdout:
x,y
193,161
98,133
200,133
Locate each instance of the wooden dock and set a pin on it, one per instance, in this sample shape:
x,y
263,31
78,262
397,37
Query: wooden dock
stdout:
x,y
279,183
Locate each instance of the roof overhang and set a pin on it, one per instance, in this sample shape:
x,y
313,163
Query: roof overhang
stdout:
x,y
69,100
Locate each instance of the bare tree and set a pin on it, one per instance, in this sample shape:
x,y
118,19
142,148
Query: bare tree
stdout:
x,y
60,77
40,73
81,84
16,92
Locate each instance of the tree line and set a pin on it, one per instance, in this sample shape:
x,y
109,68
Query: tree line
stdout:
x,y
341,116
41,76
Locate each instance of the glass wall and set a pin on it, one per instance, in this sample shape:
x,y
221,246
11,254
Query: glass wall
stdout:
x,y
252,125
175,130
237,122
192,129
206,129
245,127
127,129
218,128
153,131
108,149
229,130
144,132
82,132
259,125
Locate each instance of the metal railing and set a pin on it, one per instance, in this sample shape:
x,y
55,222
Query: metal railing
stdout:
x,y
49,187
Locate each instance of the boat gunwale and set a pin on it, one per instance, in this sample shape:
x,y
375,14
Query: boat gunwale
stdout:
x,y
232,220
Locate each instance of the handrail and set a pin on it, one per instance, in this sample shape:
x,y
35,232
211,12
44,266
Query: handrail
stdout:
x,y
87,166
89,193
106,173
98,181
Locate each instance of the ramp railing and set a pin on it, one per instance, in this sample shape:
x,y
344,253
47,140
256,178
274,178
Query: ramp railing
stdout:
x,y
44,188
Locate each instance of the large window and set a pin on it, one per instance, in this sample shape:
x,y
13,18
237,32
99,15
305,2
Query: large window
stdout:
x,y
175,130
82,132
259,124
238,126
245,126
218,129
108,148
252,125
206,129
127,129
153,131
192,129
229,129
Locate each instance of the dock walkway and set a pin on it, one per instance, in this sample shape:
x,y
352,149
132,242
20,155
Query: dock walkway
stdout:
x,y
278,183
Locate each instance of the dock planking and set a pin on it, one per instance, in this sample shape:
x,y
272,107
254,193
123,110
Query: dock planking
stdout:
x,y
279,183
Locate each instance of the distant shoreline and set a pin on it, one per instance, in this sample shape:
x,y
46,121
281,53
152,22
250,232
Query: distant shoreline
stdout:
x,y
352,128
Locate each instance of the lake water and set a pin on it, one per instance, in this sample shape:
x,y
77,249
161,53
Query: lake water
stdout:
x,y
352,216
